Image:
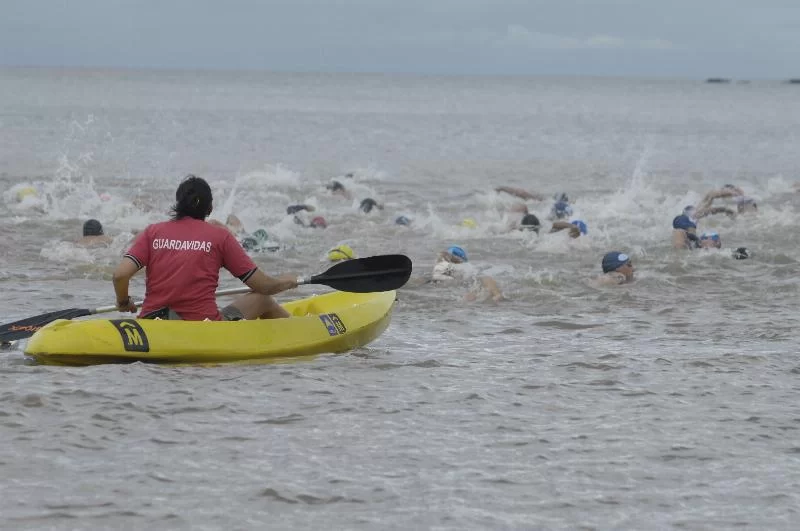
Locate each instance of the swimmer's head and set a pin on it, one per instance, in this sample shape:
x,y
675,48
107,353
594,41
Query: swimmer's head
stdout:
x,y
746,204
402,220
368,204
561,210
683,222
615,260
92,228
710,240
530,222
27,191
341,252
335,186
469,223
249,243
581,226
741,253
318,223
458,253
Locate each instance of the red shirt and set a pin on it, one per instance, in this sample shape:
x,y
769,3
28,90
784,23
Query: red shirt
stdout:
x,y
183,259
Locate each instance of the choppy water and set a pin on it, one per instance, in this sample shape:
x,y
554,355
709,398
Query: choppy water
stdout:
x,y
668,403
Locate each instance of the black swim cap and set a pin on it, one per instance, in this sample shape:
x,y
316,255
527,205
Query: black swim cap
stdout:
x,y
192,199
367,205
335,186
92,228
530,222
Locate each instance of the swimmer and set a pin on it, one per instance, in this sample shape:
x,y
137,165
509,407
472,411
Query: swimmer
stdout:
x,y
617,269
450,269
294,209
341,253
403,220
93,235
368,204
519,192
560,210
575,227
684,232
338,189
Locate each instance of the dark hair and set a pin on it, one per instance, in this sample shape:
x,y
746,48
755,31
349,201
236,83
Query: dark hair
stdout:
x,y
192,199
92,228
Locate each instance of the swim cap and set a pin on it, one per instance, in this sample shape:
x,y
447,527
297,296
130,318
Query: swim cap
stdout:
x,y
469,223
22,193
683,222
261,235
92,228
561,197
614,260
335,186
402,220
294,209
561,210
319,222
458,252
581,226
367,205
249,243
530,222
741,253
341,252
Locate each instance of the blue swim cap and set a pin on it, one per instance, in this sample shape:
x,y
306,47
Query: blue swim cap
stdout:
x,y
613,260
581,225
458,251
402,220
561,210
683,222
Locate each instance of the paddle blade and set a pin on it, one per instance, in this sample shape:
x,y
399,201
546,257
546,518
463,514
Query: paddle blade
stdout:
x,y
366,275
27,327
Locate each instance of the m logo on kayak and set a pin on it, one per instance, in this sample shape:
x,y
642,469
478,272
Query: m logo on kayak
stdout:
x,y
133,337
332,322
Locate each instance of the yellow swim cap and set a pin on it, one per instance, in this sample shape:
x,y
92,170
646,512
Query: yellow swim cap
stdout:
x,y
469,223
22,193
342,252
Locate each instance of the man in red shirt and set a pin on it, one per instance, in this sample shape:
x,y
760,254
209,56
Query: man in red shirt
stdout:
x,y
183,257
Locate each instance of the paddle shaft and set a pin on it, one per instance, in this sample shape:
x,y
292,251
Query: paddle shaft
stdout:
x,y
219,293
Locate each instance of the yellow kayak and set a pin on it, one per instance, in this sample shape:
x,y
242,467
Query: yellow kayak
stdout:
x,y
333,322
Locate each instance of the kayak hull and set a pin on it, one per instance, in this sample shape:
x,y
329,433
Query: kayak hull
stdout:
x,y
329,323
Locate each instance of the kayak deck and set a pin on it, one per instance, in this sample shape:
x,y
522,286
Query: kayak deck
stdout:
x,y
329,323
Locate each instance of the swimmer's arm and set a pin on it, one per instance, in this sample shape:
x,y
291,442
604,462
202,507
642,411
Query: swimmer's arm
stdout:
x,y
491,286
721,210
561,225
519,192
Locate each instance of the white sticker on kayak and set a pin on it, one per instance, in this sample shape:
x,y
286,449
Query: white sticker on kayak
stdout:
x,y
332,322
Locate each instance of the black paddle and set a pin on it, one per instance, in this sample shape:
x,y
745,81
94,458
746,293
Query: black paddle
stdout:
x,y
361,275
365,275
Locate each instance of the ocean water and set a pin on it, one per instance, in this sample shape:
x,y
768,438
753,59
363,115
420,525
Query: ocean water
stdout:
x,y
667,403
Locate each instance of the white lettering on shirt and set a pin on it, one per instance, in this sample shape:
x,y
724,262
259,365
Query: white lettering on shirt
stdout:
x,y
181,245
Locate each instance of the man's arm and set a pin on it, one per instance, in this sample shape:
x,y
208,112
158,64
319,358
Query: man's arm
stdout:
x,y
264,284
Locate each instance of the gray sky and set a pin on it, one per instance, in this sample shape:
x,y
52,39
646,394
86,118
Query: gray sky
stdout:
x,y
668,38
